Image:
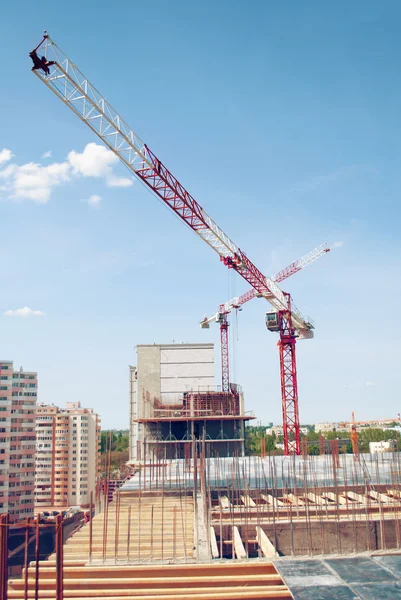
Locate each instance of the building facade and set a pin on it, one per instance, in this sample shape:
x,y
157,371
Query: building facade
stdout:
x,y
278,430
18,394
174,403
67,455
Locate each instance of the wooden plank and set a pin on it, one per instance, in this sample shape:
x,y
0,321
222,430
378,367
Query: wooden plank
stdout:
x,y
213,543
224,502
163,583
268,549
358,497
239,549
395,493
317,499
381,497
296,500
272,500
247,500
245,593
338,499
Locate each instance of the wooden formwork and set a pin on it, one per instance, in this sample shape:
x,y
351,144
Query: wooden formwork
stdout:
x,y
98,560
220,581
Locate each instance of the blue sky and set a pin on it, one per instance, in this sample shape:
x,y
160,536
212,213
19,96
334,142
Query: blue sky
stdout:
x,y
282,119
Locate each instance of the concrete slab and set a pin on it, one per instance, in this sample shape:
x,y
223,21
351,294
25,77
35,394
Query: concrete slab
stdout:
x,y
393,563
360,570
306,573
373,591
304,568
323,593
350,578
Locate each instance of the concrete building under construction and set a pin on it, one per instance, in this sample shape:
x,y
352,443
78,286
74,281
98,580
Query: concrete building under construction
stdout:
x,y
174,404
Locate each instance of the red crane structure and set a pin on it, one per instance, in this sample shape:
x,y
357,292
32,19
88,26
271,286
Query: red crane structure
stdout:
x,y
69,84
221,316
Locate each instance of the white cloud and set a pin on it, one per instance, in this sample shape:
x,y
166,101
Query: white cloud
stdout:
x,y
97,161
113,181
370,384
94,161
94,200
33,181
47,154
24,313
5,155
337,244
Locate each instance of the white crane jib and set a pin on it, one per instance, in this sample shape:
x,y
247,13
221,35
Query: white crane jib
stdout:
x,y
69,84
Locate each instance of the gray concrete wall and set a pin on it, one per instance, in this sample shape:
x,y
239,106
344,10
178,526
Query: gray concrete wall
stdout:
x,y
148,379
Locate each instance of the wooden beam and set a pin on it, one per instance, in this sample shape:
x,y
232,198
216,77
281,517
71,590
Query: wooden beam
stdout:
x,y
213,543
381,497
296,500
357,497
272,500
239,549
336,498
317,499
224,502
268,549
247,500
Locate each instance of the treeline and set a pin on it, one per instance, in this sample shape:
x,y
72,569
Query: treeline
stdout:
x,y
254,440
118,441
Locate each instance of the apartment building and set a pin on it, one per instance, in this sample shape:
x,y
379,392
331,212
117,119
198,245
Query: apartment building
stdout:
x,y
67,455
18,394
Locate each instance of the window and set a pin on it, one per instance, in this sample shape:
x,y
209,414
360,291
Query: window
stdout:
x,y
4,367
4,377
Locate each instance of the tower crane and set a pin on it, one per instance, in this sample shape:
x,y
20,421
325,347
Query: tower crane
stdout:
x,y
68,83
221,316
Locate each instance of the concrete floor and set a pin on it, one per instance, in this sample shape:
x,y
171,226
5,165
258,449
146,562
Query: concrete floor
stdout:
x,y
274,471
349,578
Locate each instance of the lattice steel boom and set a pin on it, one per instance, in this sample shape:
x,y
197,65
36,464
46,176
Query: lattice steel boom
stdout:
x,y
293,268
76,91
62,76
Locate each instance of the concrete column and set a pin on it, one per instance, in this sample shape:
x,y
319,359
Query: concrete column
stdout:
x,y
133,414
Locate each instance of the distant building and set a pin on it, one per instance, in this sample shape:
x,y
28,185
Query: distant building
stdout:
x,y
278,430
18,393
174,403
378,447
325,427
67,455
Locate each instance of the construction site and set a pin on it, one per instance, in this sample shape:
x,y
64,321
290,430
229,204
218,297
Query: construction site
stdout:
x,y
197,519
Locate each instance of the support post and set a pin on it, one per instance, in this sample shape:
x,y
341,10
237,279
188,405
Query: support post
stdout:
x,y
91,527
59,558
37,556
4,525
